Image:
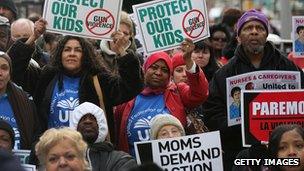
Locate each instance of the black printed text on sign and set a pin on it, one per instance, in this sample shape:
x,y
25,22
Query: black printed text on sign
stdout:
x,y
265,110
88,19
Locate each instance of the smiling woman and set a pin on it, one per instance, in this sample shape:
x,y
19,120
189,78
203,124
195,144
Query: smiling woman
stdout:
x,y
62,149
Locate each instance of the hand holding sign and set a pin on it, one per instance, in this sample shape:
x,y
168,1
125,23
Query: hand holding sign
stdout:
x,y
39,29
119,42
187,47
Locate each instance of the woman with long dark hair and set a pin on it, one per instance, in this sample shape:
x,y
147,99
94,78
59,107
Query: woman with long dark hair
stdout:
x,y
68,80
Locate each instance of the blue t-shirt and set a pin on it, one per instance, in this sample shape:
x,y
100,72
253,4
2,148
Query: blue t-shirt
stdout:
x,y
63,102
234,111
7,114
299,46
138,126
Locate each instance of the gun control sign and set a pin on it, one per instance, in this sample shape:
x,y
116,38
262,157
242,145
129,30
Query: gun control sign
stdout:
x,y
96,19
264,110
194,152
164,24
258,80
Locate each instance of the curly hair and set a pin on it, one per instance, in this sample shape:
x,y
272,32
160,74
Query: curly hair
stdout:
x,y
54,136
90,61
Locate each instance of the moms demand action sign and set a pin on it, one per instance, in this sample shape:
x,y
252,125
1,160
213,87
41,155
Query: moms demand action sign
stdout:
x,y
164,24
96,19
194,152
264,110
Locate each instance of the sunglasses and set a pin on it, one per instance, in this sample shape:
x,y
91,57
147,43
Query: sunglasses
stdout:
x,y
219,39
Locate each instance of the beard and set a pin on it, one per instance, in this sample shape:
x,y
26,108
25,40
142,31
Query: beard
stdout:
x,y
254,49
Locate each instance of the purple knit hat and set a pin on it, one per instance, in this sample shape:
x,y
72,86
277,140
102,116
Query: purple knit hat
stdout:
x,y
252,15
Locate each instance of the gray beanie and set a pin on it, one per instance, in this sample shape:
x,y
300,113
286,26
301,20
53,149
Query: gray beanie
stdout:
x,y
161,120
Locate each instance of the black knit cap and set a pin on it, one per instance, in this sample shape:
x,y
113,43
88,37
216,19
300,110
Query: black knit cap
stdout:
x,y
10,5
7,127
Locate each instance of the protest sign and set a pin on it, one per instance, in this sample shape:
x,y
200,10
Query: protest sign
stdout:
x,y
259,80
23,155
264,110
164,24
298,36
89,19
194,152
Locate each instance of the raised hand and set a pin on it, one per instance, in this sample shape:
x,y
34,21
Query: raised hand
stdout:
x,y
119,43
187,46
39,29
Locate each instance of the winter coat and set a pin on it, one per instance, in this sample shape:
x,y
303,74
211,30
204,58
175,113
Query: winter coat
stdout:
x,y
215,109
116,88
103,157
176,97
25,114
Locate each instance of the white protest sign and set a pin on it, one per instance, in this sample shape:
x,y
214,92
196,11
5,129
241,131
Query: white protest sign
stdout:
x,y
264,110
23,155
193,152
298,36
259,80
164,24
96,19
29,167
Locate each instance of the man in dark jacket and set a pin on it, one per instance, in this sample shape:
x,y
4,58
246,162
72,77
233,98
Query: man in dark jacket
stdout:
x,y
91,122
252,54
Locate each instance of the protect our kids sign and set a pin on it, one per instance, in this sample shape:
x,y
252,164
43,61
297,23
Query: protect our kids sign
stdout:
x,y
164,24
95,19
258,80
264,110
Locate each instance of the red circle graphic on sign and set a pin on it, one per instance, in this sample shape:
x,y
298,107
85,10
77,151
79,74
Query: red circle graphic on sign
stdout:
x,y
194,23
100,22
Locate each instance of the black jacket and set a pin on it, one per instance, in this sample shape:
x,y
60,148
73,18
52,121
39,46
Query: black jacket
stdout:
x,y
25,114
103,157
215,110
116,88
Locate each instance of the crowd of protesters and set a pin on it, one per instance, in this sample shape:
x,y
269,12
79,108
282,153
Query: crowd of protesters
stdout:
x,y
81,104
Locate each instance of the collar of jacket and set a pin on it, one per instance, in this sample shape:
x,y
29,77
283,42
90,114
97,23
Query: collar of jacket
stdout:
x,y
105,47
101,146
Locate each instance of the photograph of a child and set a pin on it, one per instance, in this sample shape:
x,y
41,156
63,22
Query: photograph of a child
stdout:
x,y
299,42
234,108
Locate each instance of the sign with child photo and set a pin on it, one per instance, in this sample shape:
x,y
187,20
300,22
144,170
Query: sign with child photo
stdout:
x,y
258,80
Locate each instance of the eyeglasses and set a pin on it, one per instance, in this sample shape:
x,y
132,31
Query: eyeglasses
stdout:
x,y
219,39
